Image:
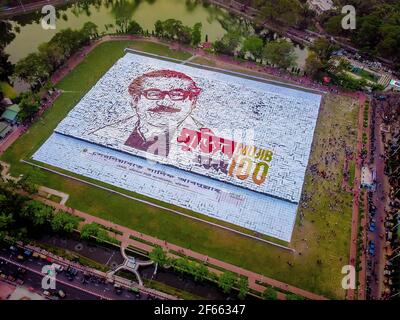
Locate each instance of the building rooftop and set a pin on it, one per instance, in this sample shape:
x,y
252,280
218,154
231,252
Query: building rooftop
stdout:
x,y
4,129
323,5
11,113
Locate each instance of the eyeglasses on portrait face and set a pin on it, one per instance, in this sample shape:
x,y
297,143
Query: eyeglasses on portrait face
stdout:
x,y
175,94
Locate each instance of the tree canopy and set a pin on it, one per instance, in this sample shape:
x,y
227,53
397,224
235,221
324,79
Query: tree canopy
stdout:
x,y
243,285
254,45
36,67
226,281
378,27
283,12
281,53
29,105
173,29
158,256
270,294
228,43
37,212
64,222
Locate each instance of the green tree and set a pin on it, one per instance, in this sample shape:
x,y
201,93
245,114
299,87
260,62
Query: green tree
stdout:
x,y
270,294
34,69
64,222
254,45
159,256
283,12
158,28
103,236
29,106
243,285
5,220
390,41
226,281
281,53
313,64
89,30
323,48
6,67
52,54
28,186
37,212
200,272
184,35
171,27
134,28
6,34
68,40
90,230
227,44
196,34
334,25
182,265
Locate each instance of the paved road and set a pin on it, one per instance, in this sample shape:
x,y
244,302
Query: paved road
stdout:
x,y
379,200
92,289
7,12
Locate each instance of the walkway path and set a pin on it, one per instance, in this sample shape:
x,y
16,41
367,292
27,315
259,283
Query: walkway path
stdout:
x,y
49,192
189,59
10,139
4,173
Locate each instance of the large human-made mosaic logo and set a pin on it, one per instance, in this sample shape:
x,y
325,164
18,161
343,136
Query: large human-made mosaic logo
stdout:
x,y
229,147
164,97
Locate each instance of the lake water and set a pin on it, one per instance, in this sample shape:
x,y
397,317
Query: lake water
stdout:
x,y
105,13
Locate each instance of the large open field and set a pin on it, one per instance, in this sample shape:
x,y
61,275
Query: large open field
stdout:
x,y
321,238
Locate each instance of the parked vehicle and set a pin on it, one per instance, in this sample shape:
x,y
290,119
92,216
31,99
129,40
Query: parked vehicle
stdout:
x,y
14,249
28,253
61,294
135,290
371,248
46,293
372,226
72,271
11,278
21,270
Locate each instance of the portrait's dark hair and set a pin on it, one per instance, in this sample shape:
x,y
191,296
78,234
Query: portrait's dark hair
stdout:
x,y
135,88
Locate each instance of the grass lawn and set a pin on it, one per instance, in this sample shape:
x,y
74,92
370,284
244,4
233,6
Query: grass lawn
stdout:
x,y
329,209
160,49
236,68
204,61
